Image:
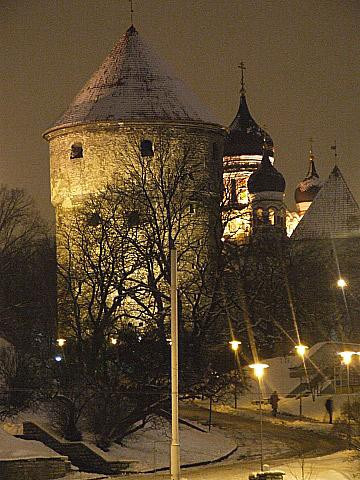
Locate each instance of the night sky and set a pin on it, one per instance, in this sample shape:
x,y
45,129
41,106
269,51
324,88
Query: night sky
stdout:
x,y
302,77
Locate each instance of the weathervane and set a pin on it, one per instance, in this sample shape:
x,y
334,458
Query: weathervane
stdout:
x,y
242,67
131,12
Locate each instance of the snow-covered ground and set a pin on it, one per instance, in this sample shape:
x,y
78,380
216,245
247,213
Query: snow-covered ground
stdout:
x,y
150,447
338,466
12,447
316,409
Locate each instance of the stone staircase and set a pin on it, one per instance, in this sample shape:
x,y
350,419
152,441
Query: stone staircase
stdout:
x,y
81,454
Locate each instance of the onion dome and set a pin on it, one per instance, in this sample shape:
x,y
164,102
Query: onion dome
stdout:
x,y
245,136
266,178
134,84
307,189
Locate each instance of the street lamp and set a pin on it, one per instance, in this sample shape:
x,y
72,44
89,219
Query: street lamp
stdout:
x,y
346,357
235,347
259,369
61,342
341,283
301,351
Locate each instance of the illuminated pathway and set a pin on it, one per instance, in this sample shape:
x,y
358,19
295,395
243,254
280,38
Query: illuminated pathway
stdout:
x,y
322,453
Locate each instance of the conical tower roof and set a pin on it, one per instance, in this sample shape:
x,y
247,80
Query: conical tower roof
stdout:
x,y
246,137
333,213
309,187
133,84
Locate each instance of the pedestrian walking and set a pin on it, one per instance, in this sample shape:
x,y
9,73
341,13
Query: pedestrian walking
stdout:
x,y
329,405
274,400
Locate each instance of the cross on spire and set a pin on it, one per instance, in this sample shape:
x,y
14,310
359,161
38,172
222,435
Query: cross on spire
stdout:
x,y
242,67
131,12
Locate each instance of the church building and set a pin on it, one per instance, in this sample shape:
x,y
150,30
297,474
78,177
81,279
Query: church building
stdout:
x,y
254,190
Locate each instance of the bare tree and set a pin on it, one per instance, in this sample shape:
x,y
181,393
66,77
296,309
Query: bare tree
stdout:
x,y
115,274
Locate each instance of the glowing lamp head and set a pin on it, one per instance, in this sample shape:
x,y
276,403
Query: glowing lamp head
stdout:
x,y
113,340
341,283
235,345
301,350
58,358
61,342
259,369
346,357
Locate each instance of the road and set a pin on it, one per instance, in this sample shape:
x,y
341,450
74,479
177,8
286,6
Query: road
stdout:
x,y
322,456
294,441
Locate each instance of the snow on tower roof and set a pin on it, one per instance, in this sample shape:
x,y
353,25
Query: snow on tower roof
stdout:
x,y
333,213
134,84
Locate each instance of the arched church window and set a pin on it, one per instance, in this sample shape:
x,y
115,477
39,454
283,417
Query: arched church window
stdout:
x,y
283,217
76,150
266,216
146,148
233,192
272,216
259,216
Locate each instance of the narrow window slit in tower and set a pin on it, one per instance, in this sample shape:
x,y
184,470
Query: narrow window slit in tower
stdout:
x,y
146,148
192,208
76,151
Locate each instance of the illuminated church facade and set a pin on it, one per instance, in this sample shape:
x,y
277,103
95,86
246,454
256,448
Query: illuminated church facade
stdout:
x,y
254,190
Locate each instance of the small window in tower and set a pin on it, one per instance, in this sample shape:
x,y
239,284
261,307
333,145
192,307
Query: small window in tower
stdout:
x,y
233,192
93,219
133,218
146,148
76,150
192,208
215,152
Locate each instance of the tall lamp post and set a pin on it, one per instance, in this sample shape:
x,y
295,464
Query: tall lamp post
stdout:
x,y
301,351
175,440
259,373
346,360
235,348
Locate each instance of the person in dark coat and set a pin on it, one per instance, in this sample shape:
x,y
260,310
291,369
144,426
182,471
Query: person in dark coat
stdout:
x,y
274,400
329,405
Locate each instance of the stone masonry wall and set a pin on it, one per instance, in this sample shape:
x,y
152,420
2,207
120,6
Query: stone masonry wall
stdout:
x,y
32,469
106,149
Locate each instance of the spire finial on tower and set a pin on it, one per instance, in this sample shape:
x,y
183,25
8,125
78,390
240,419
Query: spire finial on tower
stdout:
x,y
334,147
131,12
265,145
311,148
243,68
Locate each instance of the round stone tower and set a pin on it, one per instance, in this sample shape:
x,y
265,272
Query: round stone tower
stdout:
x,y
129,103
